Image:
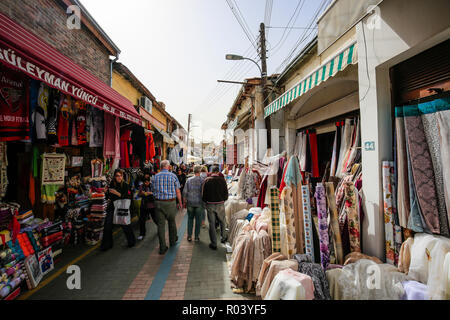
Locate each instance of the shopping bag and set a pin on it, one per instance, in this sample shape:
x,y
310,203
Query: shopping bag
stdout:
x,y
122,214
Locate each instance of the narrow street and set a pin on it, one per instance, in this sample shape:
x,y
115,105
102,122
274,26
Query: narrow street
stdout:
x,y
189,270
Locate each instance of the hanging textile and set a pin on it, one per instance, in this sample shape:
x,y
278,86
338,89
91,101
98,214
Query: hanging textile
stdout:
x,y
53,106
422,167
307,220
53,168
352,216
81,123
150,150
275,211
388,220
63,122
3,170
334,223
323,225
96,128
124,148
109,135
287,207
443,118
14,106
314,155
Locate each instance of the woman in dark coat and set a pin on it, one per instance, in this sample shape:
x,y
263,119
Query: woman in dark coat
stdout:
x,y
118,189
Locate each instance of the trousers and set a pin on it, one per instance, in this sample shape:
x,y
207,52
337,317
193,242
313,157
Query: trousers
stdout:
x,y
166,210
216,210
107,241
194,213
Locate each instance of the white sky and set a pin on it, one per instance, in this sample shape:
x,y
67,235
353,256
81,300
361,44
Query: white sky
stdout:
x,y
177,49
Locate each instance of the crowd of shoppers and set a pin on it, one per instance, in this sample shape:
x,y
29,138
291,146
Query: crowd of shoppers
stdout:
x,y
197,188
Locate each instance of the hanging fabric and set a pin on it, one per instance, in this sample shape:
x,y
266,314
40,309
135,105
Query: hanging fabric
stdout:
x,y
307,220
275,212
388,220
334,223
323,225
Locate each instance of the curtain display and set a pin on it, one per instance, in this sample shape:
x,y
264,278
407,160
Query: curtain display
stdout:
x,y
422,138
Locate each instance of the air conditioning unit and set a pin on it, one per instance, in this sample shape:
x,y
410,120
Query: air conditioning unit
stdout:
x,y
146,103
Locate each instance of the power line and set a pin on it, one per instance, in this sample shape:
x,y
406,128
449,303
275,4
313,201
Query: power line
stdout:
x,y
290,27
295,14
242,22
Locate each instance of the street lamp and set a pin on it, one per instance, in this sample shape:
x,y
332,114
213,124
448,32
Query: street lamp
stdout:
x,y
237,57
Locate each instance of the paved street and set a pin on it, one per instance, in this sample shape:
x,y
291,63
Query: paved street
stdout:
x,y
188,271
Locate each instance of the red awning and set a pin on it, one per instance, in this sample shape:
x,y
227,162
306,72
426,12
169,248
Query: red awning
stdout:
x,y
22,50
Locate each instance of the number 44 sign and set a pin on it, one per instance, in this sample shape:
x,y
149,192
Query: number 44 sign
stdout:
x,y
369,145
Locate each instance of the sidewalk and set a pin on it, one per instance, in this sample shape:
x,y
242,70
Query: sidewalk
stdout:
x,y
190,270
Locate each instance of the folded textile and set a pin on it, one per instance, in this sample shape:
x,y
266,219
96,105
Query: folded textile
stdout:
x,y
290,285
315,271
414,291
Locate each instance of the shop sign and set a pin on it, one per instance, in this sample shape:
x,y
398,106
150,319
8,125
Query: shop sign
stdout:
x,y
39,73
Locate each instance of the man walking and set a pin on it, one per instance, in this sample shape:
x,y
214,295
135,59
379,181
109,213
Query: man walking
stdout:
x,y
166,189
192,195
214,194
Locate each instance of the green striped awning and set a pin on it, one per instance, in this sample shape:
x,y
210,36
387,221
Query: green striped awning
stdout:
x,y
348,56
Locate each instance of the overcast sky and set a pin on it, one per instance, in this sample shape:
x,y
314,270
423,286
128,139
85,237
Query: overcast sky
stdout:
x,y
177,48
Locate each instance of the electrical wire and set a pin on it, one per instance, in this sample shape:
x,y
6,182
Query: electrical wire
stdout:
x,y
242,22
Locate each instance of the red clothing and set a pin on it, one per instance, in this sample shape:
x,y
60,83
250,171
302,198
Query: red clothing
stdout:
x,y
314,155
150,150
14,106
125,138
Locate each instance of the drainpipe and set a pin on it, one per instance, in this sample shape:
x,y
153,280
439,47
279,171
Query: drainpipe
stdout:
x,y
111,68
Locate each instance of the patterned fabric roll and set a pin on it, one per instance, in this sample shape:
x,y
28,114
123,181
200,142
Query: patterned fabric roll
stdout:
x,y
334,223
422,171
275,210
353,217
307,220
323,225
388,220
287,206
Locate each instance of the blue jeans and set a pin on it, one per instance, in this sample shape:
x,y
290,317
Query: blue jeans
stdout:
x,y
194,212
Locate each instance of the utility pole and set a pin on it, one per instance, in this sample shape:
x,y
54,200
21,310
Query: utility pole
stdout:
x,y
262,32
189,130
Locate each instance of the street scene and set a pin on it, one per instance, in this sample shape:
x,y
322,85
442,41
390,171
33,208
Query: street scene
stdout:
x,y
247,150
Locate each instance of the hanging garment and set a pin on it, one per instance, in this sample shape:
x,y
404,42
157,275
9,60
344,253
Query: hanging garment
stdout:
x,y
403,200
307,222
283,183
81,123
275,211
125,138
345,144
287,208
150,152
96,128
302,158
34,90
323,225
388,220
354,149
262,193
14,106
317,274
53,106
63,122
41,113
422,168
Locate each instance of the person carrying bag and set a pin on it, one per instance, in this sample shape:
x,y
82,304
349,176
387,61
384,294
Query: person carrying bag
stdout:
x,y
118,211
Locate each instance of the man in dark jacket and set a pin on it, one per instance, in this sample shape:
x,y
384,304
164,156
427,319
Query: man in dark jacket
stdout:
x,y
214,194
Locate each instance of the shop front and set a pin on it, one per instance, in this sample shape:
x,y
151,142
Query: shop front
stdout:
x,y
59,139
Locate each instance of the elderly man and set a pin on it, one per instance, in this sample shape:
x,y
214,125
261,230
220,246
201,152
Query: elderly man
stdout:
x,y
192,195
166,189
214,194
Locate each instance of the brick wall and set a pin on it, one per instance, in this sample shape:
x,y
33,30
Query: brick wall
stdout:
x,y
47,20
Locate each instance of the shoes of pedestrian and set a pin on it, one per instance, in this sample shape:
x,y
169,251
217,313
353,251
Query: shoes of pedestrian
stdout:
x,y
212,246
140,238
163,251
197,239
224,240
189,239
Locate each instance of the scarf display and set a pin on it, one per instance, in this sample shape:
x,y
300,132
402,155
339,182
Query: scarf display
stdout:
x,y
53,167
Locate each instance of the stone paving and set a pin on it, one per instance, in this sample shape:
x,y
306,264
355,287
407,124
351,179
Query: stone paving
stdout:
x,y
195,271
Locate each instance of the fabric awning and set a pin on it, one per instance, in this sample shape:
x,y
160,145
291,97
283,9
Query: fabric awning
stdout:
x,y
338,63
22,50
166,136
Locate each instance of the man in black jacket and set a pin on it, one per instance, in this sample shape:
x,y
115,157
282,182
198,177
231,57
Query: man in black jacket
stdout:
x,y
214,194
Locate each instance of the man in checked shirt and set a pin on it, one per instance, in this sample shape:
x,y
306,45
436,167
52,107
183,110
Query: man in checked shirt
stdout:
x,y
166,190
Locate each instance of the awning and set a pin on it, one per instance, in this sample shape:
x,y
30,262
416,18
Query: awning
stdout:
x,y
22,50
151,119
166,137
338,63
